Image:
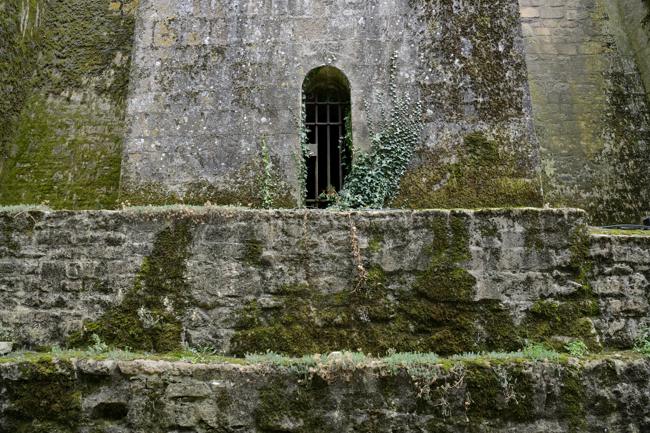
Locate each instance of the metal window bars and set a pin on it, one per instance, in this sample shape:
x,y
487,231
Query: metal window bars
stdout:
x,y
326,168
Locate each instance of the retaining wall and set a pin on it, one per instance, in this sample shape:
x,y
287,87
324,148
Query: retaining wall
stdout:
x,y
310,282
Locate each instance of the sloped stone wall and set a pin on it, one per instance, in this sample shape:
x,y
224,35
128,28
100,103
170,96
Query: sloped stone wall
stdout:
x,y
135,396
310,282
589,104
64,75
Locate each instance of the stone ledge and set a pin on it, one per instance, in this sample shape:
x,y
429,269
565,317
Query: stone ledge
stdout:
x,y
490,395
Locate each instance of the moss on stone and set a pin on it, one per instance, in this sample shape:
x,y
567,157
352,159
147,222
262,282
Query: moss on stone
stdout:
x,y
484,175
66,79
375,278
568,315
17,46
438,315
44,399
618,232
573,398
253,249
376,238
282,404
51,162
149,316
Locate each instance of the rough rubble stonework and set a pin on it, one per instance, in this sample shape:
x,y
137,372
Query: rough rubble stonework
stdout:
x,y
601,395
310,282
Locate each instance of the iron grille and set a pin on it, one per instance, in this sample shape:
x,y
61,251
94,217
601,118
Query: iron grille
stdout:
x,y
329,159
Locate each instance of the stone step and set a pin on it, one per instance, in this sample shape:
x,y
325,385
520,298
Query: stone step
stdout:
x,y
339,393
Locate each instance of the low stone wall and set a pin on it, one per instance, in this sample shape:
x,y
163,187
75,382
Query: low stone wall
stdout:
x,y
301,282
153,396
621,270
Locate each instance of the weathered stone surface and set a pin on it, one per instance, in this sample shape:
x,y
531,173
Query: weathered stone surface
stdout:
x,y
211,80
589,103
621,275
609,394
310,281
5,347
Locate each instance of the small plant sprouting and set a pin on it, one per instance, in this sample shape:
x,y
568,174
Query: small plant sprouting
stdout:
x,y
642,343
577,348
267,184
98,346
539,352
304,152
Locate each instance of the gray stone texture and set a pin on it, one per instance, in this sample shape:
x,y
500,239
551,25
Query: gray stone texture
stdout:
x,y
584,59
58,269
212,79
603,395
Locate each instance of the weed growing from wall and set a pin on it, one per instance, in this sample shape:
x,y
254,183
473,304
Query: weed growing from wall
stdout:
x,y
301,162
267,184
375,177
642,343
577,348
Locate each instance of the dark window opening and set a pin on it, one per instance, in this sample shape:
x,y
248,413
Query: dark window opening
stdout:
x,y
327,113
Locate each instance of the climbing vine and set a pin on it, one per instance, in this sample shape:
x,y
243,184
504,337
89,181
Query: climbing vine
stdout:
x,y
375,177
304,153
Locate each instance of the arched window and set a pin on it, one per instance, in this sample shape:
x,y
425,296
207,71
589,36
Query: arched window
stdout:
x,y
326,92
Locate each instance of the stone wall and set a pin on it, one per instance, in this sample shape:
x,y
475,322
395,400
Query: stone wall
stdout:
x,y
634,19
311,282
66,69
213,80
589,103
501,396
63,83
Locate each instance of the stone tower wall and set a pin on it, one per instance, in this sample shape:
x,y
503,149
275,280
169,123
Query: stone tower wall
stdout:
x,y
212,80
587,68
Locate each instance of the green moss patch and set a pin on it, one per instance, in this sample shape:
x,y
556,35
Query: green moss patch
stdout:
x,y
616,232
45,399
438,314
569,315
53,161
66,81
485,175
149,316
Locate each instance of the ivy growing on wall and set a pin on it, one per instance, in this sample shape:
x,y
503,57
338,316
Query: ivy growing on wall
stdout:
x,y
304,153
375,177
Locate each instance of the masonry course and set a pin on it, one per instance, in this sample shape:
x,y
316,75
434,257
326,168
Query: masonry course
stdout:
x,y
70,395
249,281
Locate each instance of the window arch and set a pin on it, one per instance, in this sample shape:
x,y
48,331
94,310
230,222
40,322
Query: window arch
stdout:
x,y
326,92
